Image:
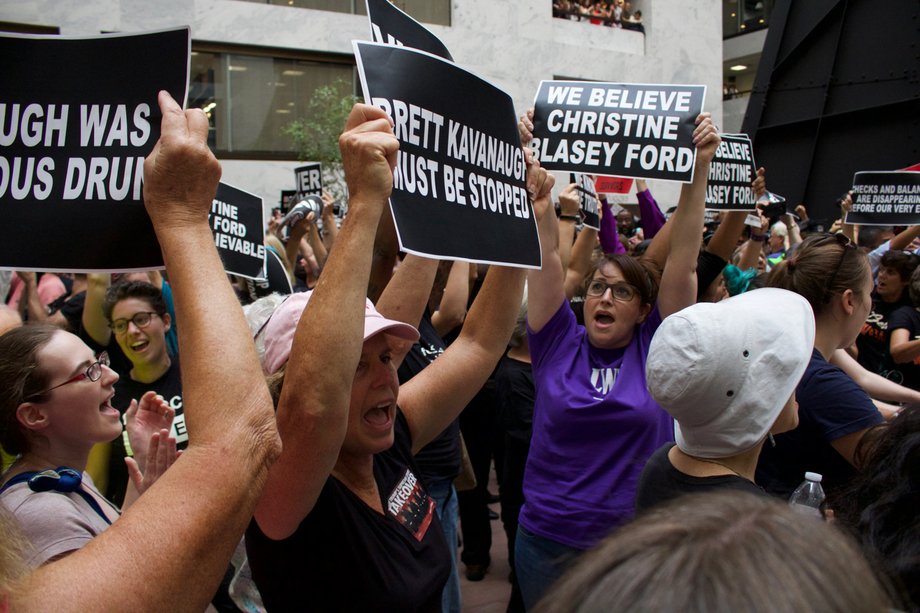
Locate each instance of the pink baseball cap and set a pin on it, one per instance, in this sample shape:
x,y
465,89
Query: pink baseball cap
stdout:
x,y
280,328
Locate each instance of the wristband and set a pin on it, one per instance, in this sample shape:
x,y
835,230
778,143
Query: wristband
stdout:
x,y
758,239
574,218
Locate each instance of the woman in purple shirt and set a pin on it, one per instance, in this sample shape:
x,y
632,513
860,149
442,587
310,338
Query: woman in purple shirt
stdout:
x,y
594,423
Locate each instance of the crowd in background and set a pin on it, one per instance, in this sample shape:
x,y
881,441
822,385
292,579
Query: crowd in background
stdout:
x,y
615,14
650,399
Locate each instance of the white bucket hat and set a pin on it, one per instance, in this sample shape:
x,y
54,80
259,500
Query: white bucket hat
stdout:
x,y
725,370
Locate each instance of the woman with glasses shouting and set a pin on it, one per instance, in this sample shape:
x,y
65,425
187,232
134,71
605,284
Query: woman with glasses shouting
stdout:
x,y
594,424
132,325
55,405
834,411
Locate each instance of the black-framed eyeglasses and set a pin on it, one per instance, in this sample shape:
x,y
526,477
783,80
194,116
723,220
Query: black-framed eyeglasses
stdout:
x,y
621,292
847,244
92,372
141,320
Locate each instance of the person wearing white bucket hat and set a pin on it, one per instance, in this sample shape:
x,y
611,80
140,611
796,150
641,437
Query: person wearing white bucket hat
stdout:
x,y
727,373
346,522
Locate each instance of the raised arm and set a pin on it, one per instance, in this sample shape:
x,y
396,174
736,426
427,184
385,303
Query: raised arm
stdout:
x,y
434,398
93,319
312,411
181,534
875,385
581,259
678,281
569,203
405,297
725,239
452,309
34,307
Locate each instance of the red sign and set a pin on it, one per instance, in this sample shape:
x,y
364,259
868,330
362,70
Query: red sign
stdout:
x,y
612,185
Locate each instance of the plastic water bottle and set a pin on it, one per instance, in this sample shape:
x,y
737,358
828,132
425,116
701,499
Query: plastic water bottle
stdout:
x,y
807,498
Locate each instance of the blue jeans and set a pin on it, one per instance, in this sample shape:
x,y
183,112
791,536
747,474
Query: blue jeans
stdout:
x,y
538,563
445,499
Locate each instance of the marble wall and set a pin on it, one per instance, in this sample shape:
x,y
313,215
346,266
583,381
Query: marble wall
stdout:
x,y
511,43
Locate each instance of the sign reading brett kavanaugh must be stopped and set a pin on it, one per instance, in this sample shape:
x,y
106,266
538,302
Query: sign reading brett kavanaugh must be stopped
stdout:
x,y
626,129
459,189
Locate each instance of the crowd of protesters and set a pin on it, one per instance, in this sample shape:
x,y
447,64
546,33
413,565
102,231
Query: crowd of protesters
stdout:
x,y
614,14
650,397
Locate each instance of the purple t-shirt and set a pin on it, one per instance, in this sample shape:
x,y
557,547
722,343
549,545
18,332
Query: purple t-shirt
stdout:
x,y
594,428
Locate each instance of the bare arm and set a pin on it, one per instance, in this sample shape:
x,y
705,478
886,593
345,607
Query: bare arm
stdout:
x,y
434,398
569,203
330,229
905,238
581,259
34,307
94,321
847,229
405,297
875,385
218,480
754,248
846,445
725,238
452,310
319,249
904,350
312,412
678,281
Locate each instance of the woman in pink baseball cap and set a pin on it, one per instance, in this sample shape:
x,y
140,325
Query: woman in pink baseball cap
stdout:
x,y
345,522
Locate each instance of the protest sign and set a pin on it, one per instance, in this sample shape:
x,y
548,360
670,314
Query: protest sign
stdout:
x,y
731,174
643,131
390,26
77,118
309,179
236,220
287,199
612,185
459,190
885,199
588,202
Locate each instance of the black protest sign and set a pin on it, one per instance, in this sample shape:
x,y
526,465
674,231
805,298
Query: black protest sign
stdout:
x,y
390,26
885,199
587,200
77,118
309,179
731,174
459,190
236,220
624,129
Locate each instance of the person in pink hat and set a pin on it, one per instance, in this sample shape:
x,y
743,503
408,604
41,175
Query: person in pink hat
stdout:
x,y
345,522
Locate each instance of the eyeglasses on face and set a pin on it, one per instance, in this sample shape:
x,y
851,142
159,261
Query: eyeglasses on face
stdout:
x,y
92,372
621,292
141,320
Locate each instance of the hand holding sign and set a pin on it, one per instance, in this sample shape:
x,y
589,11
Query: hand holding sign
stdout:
x,y
540,186
525,127
181,174
706,138
368,153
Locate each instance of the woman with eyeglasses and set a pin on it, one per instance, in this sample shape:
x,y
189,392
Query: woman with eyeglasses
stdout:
x,y
834,411
594,423
55,405
134,321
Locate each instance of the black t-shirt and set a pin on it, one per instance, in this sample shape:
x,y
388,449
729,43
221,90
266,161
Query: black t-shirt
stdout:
x,y
441,458
169,386
908,318
514,391
874,342
345,556
660,482
831,406
71,307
